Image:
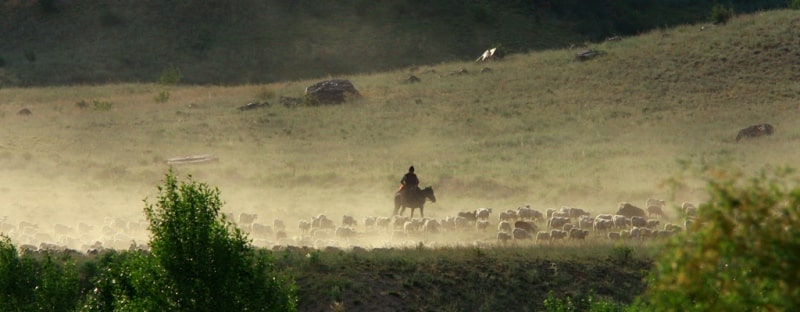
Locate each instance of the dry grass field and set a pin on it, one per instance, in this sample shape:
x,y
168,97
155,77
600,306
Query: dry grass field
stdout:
x,y
540,129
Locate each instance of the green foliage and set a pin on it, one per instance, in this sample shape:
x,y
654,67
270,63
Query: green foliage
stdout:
x,y
721,14
82,104
170,76
101,106
29,285
741,253
794,4
310,100
209,264
162,97
589,303
128,281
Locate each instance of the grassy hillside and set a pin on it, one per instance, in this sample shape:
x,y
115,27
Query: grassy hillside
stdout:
x,y
52,42
540,128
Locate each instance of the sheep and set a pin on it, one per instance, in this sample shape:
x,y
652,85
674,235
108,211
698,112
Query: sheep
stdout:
x,y
278,225
672,227
260,230
628,210
614,236
462,223
503,237
604,217
557,235
603,224
526,225
521,234
567,227
383,222
449,223
621,221
574,213
543,236
370,221
652,224
577,233
344,232
483,213
399,221
527,213
638,221
482,225
348,220
655,207
557,222
689,209
586,222
304,225
508,215
549,213
430,226
504,226
247,218
471,216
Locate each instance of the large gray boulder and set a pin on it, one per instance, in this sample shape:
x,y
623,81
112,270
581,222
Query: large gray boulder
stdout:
x,y
332,91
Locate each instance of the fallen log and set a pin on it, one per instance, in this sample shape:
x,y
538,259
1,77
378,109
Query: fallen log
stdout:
x,y
191,159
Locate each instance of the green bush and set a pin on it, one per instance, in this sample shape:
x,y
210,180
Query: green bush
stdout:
x,y
209,264
162,97
30,284
128,281
794,4
102,106
170,76
720,14
741,252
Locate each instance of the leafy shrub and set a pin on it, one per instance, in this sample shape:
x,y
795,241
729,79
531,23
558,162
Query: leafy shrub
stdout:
x,y
720,14
162,97
209,265
741,252
794,4
170,76
589,303
29,285
102,106
128,281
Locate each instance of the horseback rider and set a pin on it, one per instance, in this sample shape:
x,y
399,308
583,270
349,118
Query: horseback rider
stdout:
x,y
409,182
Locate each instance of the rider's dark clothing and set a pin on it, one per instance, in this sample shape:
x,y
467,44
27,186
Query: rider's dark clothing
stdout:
x,y
410,182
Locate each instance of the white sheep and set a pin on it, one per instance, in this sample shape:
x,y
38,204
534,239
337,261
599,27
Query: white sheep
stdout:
x,y
543,236
370,221
348,220
577,233
508,215
503,237
603,224
504,226
621,221
557,235
483,213
482,225
528,213
614,236
247,218
278,225
638,222
521,234
430,226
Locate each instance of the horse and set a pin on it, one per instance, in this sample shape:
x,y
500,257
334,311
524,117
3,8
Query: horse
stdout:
x,y
413,201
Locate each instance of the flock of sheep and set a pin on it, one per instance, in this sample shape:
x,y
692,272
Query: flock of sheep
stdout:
x,y
477,227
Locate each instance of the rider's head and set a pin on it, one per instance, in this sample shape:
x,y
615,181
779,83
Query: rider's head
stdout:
x,y
411,169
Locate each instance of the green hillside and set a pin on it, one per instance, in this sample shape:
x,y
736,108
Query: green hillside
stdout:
x,y
49,42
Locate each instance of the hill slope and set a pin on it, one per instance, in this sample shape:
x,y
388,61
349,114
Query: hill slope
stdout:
x,y
223,42
539,128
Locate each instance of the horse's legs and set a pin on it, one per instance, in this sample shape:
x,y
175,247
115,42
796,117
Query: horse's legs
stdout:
x,y
412,212
422,212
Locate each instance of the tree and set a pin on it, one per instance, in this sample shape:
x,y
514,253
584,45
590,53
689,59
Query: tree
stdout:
x,y
208,262
739,254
